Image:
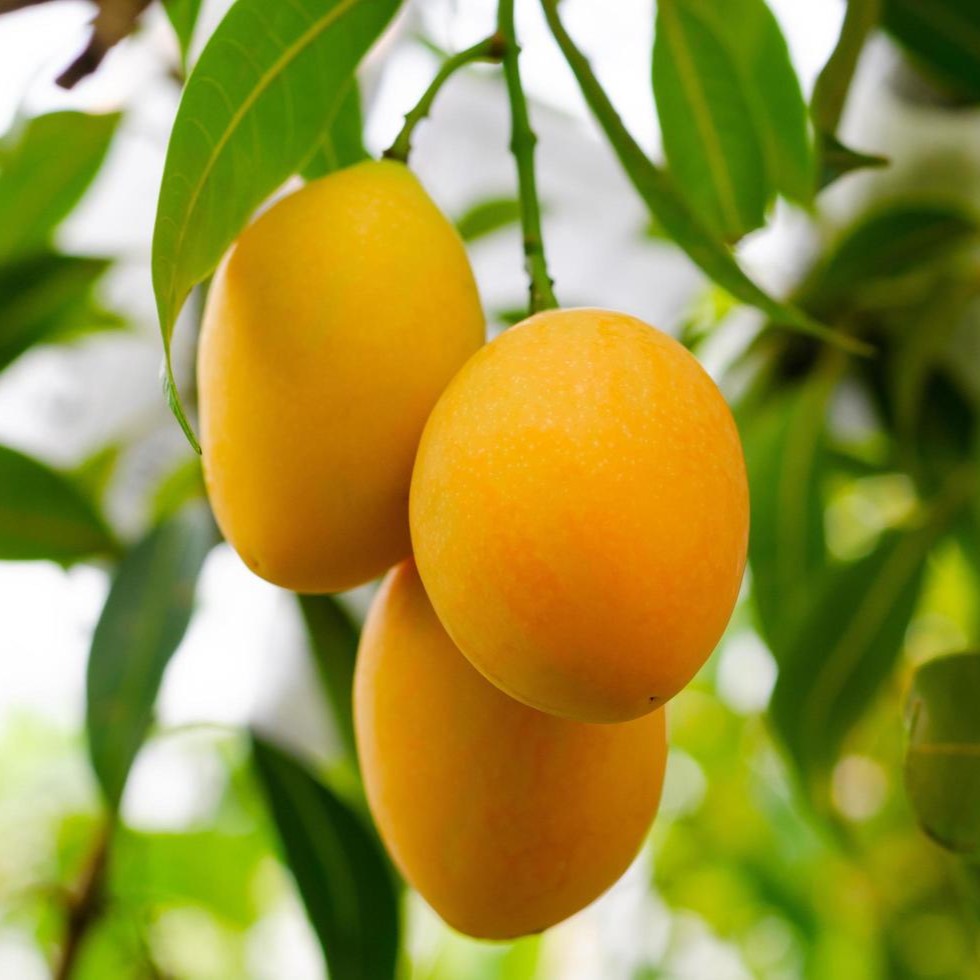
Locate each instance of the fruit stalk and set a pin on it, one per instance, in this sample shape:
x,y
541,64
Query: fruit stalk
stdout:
x,y
489,49
522,143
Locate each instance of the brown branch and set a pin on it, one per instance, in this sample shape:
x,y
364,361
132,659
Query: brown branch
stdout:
x,y
115,20
84,907
9,6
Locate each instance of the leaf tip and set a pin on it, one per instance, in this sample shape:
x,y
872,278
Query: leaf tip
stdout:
x,y
173,400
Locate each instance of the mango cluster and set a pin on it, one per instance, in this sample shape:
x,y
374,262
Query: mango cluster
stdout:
x,y
564,511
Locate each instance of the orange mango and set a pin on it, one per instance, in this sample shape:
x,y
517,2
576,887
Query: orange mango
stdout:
x,y
505,819
579,514
331,328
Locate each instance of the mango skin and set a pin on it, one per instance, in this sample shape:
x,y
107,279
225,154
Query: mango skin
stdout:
x,y
579,514
506,820
330,330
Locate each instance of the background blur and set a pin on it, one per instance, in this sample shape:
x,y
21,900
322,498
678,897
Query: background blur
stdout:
x,y
741,878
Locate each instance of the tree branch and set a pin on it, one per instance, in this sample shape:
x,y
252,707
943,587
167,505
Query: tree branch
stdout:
x,y
9,6
115,20
84,907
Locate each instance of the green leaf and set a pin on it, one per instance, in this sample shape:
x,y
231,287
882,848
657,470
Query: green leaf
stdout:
x,y
672,211
343,144
709,136
44,514
830,94
845,646
44,170
46,298
837,160
731,111
339,867
183,16
834,81
943,36
773,89
785,453
257,103
486,217
942,762
333,641
142,623
892,242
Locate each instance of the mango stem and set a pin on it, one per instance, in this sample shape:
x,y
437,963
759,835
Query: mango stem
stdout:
x,y
522,143
489,49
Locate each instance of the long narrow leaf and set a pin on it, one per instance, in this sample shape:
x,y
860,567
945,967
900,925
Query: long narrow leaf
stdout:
x,y
333,640
183,16
834,81
142,623
710,138
889,243
846,645
732,114
44,170
257,103
44,514
785,451
340,870
48,297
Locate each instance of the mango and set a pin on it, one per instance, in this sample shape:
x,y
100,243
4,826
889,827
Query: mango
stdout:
x,y
330,330
505,819
579,514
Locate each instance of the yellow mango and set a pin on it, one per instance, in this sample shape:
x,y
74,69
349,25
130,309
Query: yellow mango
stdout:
x,y
505,819
330,330
579,514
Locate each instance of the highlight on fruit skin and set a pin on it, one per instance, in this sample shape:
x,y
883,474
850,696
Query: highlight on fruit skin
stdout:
x,y
505,819
579,514
330,330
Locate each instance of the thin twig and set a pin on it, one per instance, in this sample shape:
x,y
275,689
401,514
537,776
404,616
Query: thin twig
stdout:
x,y
522,145
9,6
84,906
114,20
489,49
